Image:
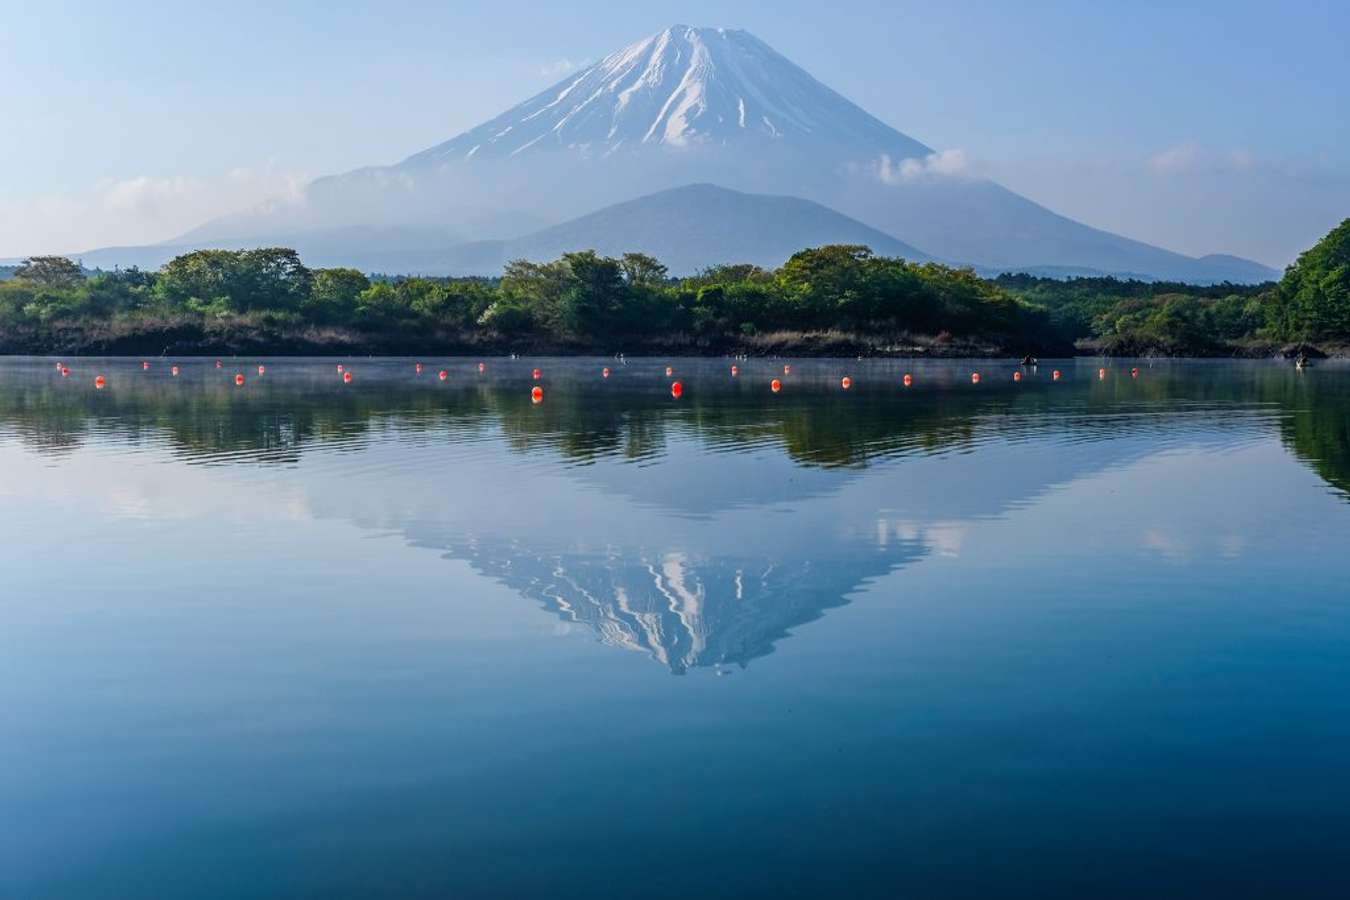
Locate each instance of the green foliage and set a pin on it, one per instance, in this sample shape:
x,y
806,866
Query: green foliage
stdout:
x,y
50,272
333,295
1129,316
585,297
223,282
1313,299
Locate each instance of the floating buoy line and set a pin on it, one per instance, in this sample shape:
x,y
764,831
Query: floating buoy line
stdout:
x,y
776,385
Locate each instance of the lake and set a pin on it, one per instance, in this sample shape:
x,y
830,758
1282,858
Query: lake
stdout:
x,y
418,638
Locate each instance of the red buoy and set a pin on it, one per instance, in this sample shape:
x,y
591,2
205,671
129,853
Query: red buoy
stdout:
x,y
418,368
339,367
1101,374
239,379
174,371
846,382
64,372
775,385
346,377
100,382
669,371
1017,376
787,370
262,370
217,364
735,370
1055,374
537,374
908,380
442,374
676,389
604,373
537,394
482,367
974,377
1134,373
145,366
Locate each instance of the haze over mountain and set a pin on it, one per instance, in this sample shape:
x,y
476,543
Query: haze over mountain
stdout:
x,y
701,105
687,228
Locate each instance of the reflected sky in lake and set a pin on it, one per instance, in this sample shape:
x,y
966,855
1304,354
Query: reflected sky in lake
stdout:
x,y
408,637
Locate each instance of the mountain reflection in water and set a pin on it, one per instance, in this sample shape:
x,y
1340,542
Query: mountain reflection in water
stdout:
x,y
703,531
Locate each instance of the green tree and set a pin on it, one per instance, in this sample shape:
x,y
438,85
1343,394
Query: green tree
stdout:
x,y
594,293
237,281
641,269
536,287
333,295
50,271
1313,299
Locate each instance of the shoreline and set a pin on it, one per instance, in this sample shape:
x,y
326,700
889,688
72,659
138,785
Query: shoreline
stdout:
x,y
185,339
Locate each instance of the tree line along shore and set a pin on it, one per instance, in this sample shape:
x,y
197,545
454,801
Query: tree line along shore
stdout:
x,y
824,301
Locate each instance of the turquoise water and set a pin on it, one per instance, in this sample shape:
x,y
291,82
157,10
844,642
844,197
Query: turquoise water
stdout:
x,y
409,638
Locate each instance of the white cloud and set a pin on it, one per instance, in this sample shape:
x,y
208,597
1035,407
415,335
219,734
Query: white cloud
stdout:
x,y
559,68
1175,159
137,209
945,163
1191,157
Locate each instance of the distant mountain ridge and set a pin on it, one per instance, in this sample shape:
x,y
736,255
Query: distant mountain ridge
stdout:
x,y
688,229
703,106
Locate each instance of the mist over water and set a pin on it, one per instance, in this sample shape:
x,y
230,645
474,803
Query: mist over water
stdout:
x,y
407,637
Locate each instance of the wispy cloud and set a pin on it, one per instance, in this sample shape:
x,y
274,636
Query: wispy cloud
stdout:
x,y
1189,156
1174,159
944,163
560,67
138,209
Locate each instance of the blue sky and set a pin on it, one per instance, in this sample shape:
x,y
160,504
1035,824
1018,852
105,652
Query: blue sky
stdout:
x,y
1204,127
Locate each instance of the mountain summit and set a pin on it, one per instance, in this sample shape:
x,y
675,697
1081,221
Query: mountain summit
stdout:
x,y
697,106
680,87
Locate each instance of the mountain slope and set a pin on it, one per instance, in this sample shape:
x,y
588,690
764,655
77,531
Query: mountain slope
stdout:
x,y
681,87
692,105
688,229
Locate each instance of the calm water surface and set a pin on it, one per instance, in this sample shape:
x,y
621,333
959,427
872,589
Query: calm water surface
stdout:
x,y
408,638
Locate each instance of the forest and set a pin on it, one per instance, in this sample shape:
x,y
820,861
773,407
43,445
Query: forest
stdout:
x,y
824,300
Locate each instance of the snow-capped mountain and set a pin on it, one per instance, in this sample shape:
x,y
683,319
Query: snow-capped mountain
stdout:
x,y
681,87
712,106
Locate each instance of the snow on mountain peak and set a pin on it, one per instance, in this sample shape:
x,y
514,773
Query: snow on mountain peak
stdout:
x,y
681,87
